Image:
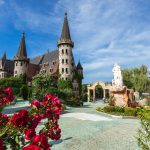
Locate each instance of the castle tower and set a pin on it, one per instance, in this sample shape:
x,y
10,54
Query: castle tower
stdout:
x,y
21,61
79,68
65,45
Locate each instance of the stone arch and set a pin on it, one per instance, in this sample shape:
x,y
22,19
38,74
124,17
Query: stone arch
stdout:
x,y
91,90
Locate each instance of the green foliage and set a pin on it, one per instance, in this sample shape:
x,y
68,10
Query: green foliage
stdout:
x,y
74,101
64,89
116,110
64,84
130,111
144,132
42,84
137,79
14,82
24,92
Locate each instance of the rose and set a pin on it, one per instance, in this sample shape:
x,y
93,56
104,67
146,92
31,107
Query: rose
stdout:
x,y
8,95
29,134
35,121
31,147
20,119
3,119
35,103
42,140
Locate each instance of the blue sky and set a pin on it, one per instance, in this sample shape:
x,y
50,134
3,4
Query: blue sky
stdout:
x,y
104,31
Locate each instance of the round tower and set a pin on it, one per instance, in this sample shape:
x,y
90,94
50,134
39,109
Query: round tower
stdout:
x,y
21,61
65,45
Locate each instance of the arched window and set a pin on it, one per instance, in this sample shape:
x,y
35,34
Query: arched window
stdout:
x,y
66,61
66,51
62,70
62,51
66,70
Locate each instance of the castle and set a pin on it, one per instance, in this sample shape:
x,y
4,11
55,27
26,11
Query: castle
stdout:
x,y
59,62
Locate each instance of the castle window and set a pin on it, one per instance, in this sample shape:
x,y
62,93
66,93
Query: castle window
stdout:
x,y
62,51
66,70
66,61
66,51
15,72
21,64
16,63
62,70
62,61
54,62
51,70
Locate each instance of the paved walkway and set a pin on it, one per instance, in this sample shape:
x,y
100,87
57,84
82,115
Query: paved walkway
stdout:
x,y
86,129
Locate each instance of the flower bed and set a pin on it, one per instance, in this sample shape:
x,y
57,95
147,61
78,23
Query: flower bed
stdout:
x,y
19,131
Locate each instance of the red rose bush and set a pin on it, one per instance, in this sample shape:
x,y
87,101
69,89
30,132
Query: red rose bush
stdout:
x,y
19,130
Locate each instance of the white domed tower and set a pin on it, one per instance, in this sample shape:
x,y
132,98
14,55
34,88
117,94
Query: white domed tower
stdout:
x,y
21,61
65,45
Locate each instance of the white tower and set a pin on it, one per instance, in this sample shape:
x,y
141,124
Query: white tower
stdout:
x,y
21,61
65,45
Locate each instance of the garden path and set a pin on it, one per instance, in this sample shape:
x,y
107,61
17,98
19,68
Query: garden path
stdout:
x,y
84,128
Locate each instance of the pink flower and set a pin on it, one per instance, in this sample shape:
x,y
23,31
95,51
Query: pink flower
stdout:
x,y
20,119
31,147
8,95
3,119
29,134
42,140
35,103
35,121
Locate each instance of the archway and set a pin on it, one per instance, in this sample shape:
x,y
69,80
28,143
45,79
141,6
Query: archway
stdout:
x,y
96,91
99,92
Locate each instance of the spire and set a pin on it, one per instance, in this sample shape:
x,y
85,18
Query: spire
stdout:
x,y
4,56
65,34
22,53
79,66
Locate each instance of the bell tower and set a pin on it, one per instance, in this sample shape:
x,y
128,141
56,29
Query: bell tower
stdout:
x,y
21,61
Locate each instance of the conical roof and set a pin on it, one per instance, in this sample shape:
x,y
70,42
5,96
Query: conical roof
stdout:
x,y
22,52
65,34
79,66
4,56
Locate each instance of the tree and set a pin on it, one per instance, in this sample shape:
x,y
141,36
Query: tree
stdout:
x,y
42,84
137,79
14,82
24,92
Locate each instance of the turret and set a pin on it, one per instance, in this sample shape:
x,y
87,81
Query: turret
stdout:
x,y
4,56
21,61
65,45
79,68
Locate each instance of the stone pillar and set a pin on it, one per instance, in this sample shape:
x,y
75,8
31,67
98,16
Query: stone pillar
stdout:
x,y
93,95
104,93
88,94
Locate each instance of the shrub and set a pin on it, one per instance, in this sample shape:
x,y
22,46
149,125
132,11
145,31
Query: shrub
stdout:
x,y
74,101
109,109
144,132
24,92
119,109
128,111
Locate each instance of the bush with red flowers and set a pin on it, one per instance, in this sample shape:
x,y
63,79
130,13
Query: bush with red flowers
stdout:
x,y
19,130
